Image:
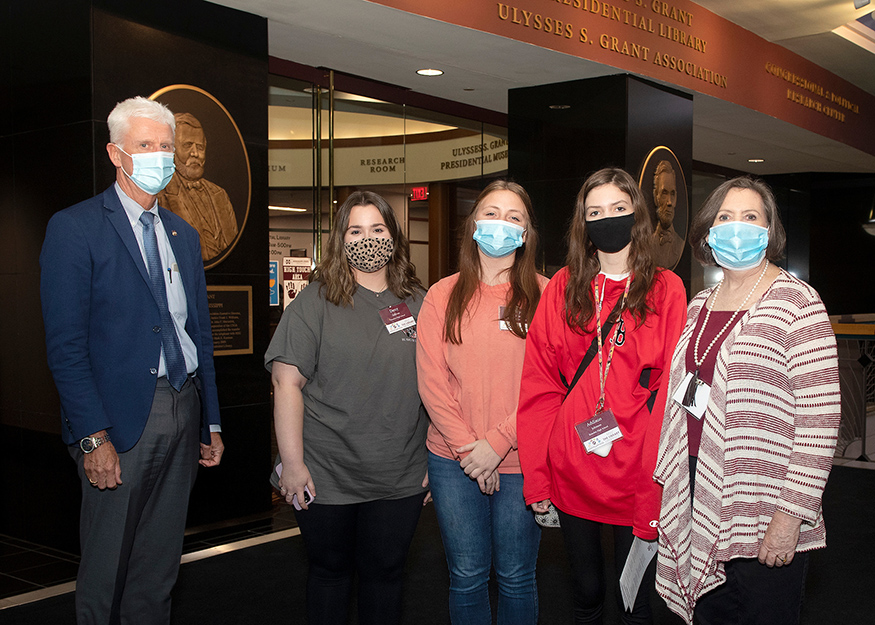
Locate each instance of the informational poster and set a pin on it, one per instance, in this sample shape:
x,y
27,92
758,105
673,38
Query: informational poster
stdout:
x,y
274,287
295,272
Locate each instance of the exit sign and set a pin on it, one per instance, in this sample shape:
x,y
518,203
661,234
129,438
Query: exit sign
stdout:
x,y
418,194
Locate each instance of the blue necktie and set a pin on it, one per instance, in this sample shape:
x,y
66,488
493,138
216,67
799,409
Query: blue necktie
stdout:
x,y
173,358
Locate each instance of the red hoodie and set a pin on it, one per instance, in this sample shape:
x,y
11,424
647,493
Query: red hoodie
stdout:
x,y
618,489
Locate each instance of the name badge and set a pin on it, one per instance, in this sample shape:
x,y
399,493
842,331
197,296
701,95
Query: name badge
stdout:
x,y
502,324
700,399
397,317
599,430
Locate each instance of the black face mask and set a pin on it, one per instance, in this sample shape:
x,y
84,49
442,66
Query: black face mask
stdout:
x,y
611,234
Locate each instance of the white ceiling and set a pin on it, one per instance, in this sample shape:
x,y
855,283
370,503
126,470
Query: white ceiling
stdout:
x,y
379,43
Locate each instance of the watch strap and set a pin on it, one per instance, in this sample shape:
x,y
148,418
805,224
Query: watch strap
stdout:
x,y
96,441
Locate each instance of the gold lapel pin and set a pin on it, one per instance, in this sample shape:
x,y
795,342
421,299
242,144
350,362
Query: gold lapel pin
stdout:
x,y
173,232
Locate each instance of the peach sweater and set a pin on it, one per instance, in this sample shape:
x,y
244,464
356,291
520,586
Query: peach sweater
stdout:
x,y
470,390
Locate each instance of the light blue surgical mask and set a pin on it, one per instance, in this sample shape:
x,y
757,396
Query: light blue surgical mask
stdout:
x,y
152,170
738,244
497,238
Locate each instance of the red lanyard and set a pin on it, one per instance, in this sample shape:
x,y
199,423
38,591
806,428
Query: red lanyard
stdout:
x,y
605,367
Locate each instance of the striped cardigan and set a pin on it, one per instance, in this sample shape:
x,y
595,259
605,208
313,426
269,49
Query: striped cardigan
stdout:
x,y
768,440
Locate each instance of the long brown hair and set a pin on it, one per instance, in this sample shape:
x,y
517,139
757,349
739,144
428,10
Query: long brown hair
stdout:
x,y
583,262
525,292
336,274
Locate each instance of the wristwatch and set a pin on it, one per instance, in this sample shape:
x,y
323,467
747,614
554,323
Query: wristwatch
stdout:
x,y
90,443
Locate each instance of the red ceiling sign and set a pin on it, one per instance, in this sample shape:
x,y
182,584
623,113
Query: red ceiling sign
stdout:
x,y
418,194
681,43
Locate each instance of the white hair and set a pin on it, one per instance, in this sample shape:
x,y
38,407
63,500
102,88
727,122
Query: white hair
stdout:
x,y
119,119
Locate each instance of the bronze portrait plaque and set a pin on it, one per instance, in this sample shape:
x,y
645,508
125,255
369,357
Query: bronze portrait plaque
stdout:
x,y
664,188
212,185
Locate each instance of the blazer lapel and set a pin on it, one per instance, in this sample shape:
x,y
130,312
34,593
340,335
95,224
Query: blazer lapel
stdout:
x,y
119,220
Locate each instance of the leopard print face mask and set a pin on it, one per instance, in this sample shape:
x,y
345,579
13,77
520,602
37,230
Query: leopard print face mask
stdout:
x,y
369,255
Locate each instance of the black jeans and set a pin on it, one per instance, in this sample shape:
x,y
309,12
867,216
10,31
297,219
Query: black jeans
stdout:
x,y
370,539
754,594
583,542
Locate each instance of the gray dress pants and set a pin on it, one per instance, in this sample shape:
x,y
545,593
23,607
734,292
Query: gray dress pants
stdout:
x,y
131,537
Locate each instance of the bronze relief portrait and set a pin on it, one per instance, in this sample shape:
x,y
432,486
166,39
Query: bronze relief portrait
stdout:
x,y
212,183
664,188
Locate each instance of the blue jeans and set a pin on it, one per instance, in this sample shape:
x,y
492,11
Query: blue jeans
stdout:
x,y
481,531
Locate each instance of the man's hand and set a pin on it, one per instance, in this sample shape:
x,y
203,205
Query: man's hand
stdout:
x,y
211,455
101,466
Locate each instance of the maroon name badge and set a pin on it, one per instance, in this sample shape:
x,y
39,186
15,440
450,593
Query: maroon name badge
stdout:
x,y
599,430
397,317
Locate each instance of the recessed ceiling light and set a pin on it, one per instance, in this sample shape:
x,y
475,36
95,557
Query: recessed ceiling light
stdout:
x,y
429,72
289,209
755,160
560,107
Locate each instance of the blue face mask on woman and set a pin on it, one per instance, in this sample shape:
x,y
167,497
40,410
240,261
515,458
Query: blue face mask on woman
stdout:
x,y
497,238
152,170
738,244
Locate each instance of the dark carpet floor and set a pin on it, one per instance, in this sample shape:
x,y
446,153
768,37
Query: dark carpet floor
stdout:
x,y
265,584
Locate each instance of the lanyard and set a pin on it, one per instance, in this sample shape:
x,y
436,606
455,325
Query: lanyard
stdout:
x,y
605,367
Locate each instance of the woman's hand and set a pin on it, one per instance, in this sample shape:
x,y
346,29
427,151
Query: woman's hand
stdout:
x,y
488,485
427,497
779,543
292,483
482,460
541,507
288,416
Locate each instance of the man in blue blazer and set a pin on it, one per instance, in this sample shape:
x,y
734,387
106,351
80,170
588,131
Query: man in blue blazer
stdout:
x,y
130,347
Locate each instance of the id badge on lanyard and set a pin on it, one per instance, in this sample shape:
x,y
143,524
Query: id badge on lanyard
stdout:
x,y
599,432
693,394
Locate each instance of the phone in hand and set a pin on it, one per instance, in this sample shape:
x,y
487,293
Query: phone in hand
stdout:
x,y
308,498
275,482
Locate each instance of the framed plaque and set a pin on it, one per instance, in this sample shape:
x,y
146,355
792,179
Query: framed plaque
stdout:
x,y
231,319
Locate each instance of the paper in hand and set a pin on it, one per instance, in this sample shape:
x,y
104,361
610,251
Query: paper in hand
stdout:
x,y
640,555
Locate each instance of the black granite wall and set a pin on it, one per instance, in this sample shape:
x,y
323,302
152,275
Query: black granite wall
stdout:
x,y
827,247
609,121
66,63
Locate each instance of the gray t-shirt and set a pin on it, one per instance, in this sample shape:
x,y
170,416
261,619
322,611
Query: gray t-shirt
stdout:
x,y
364,424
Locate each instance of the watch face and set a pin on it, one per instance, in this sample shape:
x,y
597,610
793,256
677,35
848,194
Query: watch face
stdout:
x,y
87,445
